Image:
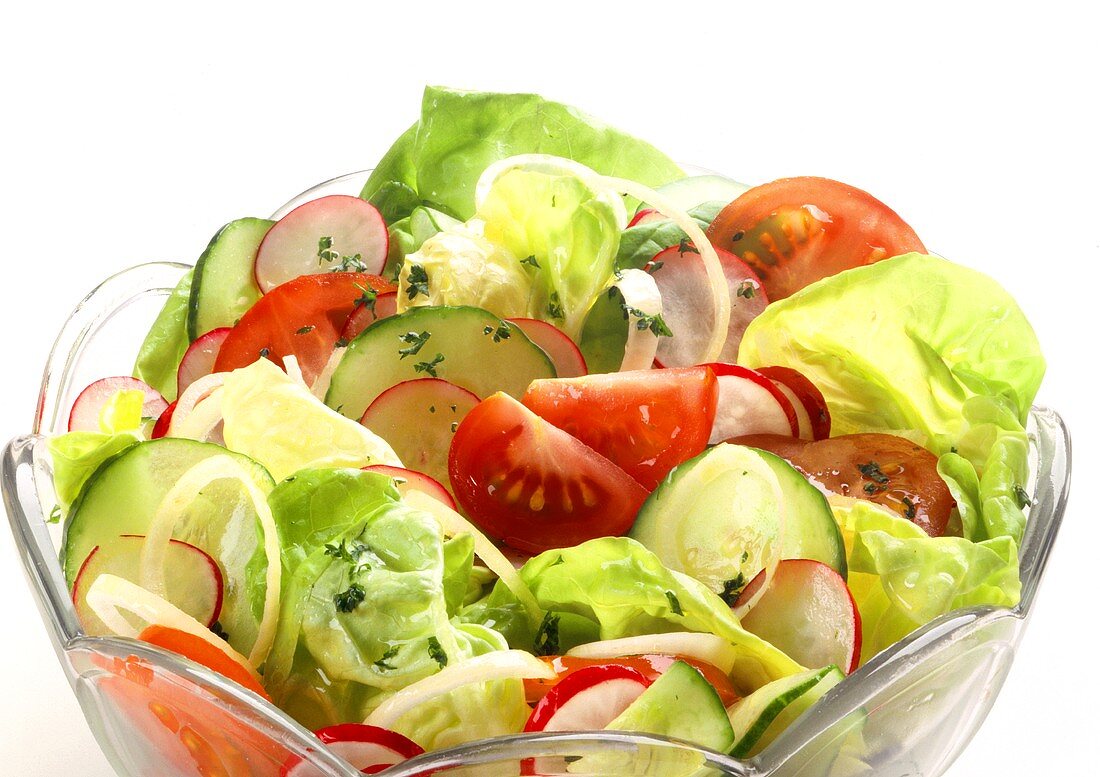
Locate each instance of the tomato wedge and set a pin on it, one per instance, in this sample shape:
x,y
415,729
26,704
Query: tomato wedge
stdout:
x,y
646,421
651,666
201,652
301,318
532,486
882,468
795,231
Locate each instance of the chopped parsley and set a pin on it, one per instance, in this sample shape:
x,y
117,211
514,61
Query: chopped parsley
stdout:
x,y
686,247
531,260
454,426
414,340
737,236
1022,499
219,631
502,332
55,514
367,299
305,330
347,601
546,638
325,252
747,289
654,266
382,663
656,324
732,588
342,343
871,471
554,308
910,508
265,352
429,367
674,603
418,281
436,652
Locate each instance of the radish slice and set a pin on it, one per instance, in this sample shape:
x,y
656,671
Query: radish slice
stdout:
x,y
193,580
195,393
198,360
805,430
174,506
160,428
418,418
498,665
410,480
369,749
563,352
809,394
84,416
385,305
749,403
491,556
807,611
109,593
588,699
682,280
646,215
337,232
708,648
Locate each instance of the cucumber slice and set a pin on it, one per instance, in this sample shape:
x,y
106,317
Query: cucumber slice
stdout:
x,y
467,346
762,716
718,517
682,705
693,191
811,529
123,495
225,287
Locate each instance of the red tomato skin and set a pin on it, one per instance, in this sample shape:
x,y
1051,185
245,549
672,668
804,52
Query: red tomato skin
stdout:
x,y
302,318
645,421
532,486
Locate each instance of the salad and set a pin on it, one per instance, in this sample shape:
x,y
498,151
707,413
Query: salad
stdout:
x,y
541,433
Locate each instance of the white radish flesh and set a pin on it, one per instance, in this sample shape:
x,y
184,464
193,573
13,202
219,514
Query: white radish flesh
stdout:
x,y
198,360
749,403
411,480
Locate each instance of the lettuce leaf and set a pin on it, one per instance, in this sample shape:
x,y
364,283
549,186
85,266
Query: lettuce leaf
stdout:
x,y
639,244
159,358
902,579
927,349
77,455
438,161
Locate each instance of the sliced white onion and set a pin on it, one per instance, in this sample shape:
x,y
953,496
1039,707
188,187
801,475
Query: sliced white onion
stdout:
x,y
202,422
454,524
154,552
709,648
498,665
192,395
110,593
639,292
324,378
293,369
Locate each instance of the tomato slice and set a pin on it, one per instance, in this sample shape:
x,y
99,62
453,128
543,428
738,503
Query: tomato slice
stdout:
x,y
301,318
795,231
651,666
201,652
532,486
882,468
646,421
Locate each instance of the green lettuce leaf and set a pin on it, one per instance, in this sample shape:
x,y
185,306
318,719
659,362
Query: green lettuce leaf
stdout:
x,y
439,159
159,358
639,244
902,579
624,590
77,455
927,349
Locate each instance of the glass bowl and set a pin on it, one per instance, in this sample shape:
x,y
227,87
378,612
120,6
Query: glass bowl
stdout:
x,y
911,710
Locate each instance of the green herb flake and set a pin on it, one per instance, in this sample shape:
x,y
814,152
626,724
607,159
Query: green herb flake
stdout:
x,y
746,290
674,603
686,247
436,652
342,342
1022,499
546,638
732,588
305,330
654,266
265,352
532,261
418,281
502,332
325,252
910,508
429,367
347,601
656,324
55,514
414,342
871,471
554,308
382,663
367,299
219,631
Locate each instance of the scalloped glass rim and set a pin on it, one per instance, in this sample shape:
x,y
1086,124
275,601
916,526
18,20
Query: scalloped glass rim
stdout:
x,y
29,498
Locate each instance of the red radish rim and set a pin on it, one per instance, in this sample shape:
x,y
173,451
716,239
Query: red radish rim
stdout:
x,y
542,332
414,478
641,216
265,288
194,352
736,370
346,332
577,682
405,383
154,404
400,745
810,395
164,422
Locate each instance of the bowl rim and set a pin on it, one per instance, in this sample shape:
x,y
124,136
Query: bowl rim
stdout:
x,y
28,495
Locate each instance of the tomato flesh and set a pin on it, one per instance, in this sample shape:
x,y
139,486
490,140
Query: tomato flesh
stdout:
x,y
795,231
301,318
651,666
881,468
201,652
646,421
532,486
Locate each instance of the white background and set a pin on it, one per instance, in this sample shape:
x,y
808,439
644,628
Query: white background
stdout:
x,y
131,133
